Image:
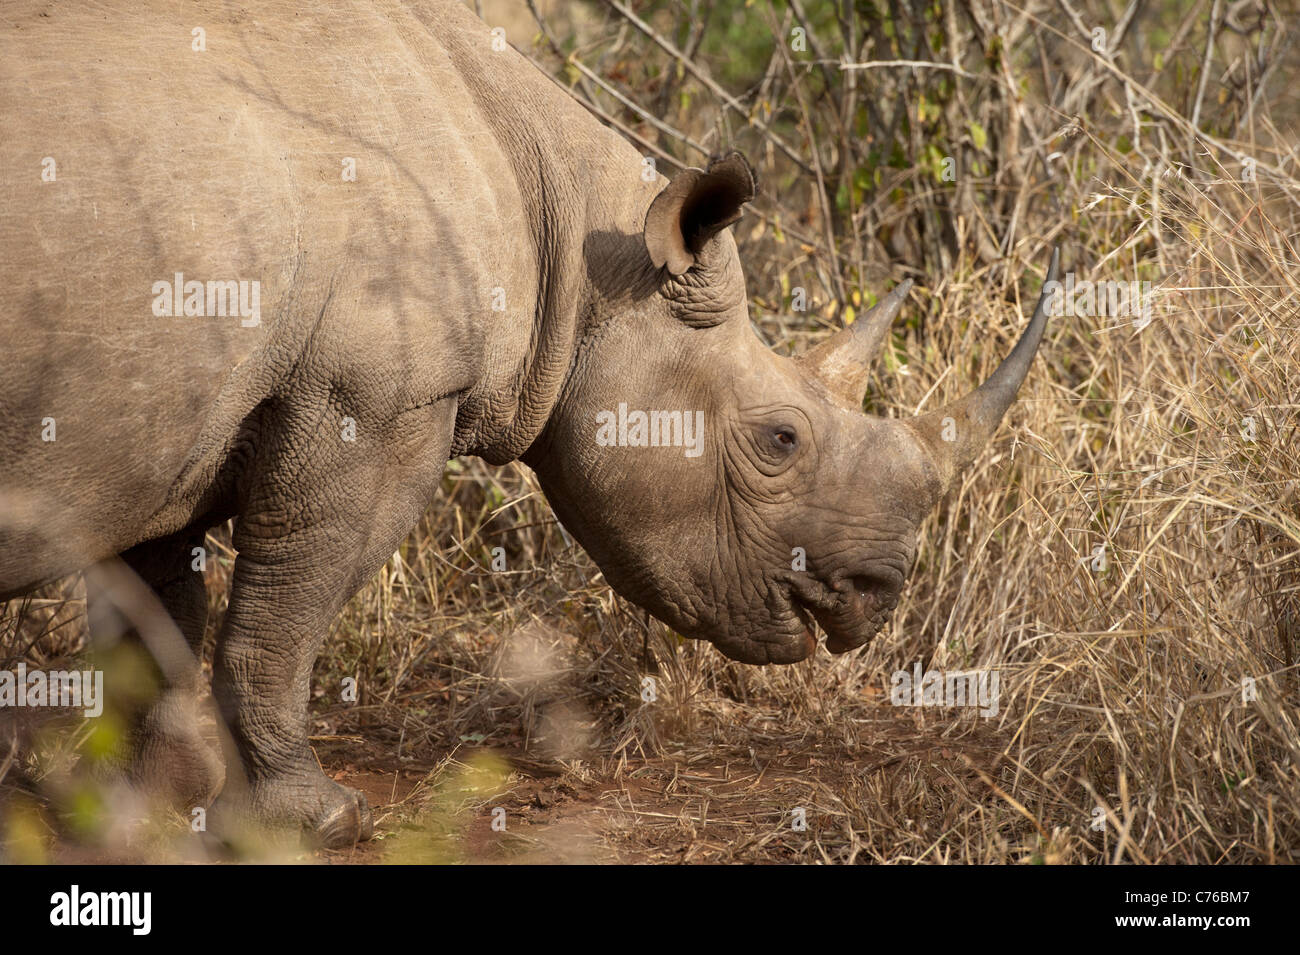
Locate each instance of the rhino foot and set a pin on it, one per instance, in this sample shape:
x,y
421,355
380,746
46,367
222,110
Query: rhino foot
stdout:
x,y
350,822
322,812
171,759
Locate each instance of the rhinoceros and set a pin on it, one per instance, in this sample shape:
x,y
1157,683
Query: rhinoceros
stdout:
x,y
280,264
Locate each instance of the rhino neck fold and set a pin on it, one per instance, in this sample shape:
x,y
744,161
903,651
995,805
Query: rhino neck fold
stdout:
x,y
559,166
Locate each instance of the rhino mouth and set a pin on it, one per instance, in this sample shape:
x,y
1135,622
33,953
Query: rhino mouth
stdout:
x,y
849,612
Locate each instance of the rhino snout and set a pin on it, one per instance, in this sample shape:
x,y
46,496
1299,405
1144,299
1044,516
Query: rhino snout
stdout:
x,y
851,610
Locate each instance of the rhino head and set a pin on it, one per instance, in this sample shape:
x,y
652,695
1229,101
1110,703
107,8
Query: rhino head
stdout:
x,y
736,494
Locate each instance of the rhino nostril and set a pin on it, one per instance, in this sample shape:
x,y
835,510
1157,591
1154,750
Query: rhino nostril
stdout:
x,y
873,592
863,586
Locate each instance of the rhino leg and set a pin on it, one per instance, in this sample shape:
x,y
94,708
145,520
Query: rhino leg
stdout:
x,y
322,517
168,755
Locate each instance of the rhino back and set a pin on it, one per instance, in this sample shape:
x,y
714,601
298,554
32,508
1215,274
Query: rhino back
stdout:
x,y
227,164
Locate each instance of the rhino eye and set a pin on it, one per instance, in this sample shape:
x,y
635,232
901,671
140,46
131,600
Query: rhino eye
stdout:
x,y
784,437
775,439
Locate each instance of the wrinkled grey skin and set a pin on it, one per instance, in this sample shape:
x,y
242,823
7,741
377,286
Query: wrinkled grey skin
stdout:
x,y
475,177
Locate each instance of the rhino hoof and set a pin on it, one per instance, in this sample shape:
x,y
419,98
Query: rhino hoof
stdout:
x,y
348,824
322,814
171,759
183,772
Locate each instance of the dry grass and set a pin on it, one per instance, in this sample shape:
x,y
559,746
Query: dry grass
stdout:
x,y
1121,688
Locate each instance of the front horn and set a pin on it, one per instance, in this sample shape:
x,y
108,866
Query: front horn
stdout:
x,y
975,417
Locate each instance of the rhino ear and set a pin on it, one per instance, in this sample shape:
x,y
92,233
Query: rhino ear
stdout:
x,y
696,206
